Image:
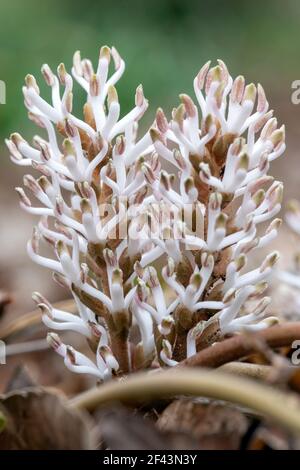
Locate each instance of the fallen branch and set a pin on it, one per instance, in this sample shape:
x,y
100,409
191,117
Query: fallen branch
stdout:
x,y
240,346
282,408
246,369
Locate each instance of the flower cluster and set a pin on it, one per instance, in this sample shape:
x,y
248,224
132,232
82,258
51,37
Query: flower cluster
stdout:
x,y
156,261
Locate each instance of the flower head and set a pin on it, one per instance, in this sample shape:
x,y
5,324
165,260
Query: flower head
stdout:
x,y
113,213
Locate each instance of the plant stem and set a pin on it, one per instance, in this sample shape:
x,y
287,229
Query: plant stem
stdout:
x,y
284,408
240,346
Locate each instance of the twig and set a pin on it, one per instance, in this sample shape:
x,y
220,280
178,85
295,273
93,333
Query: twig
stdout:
x,y
26,347
238,347
281,407
255,371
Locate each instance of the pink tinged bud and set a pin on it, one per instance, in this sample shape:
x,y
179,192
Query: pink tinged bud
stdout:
x,y
116,58
105,53
85,206
207,260
48,75
262,121
219,94
54,341
156,135
117,277
95,331
249,93
161,121
229,296
141,291
152,277
189,105
110,258
225,73
17,139
179,159
264,162
41,167
44,183
77,63
61,249
108,357
31,83
190,188
61,280
23,198
164,180
269,261
46,310
237,146
275,196
260,288
13,149
178,115
62,73
94,85
139,96
240,262
262,306
261,99
215,201
148,173
269,128
237,90
202,75
45,150
243,162
166,325
40,299
278,137
59,205
70,129
112,95
30,183
120,145
155,163
195,281
170,267
71,355
167,348
221,221
84,271
69,102
68,148
214,75
258,197
87,69
138,269
207,124
247,247
205,170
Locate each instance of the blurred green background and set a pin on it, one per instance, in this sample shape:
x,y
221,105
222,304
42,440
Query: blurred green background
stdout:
x,y
164,43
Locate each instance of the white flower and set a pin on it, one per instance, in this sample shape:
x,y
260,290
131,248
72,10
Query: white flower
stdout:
x,y
110,210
